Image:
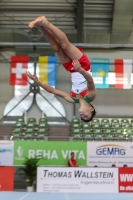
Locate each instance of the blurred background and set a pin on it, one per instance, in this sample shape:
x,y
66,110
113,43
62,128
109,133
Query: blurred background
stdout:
x,y
103,28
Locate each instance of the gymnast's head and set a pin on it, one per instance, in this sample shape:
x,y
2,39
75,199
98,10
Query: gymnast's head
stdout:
x,y
87,112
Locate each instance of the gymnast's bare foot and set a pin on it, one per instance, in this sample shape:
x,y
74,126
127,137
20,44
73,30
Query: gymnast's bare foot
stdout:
x,y
40,21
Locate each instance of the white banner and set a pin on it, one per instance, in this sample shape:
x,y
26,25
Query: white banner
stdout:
x,y
6,153
77,180
104,154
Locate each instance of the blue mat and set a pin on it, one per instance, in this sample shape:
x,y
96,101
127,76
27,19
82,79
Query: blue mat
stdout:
x,y
63,196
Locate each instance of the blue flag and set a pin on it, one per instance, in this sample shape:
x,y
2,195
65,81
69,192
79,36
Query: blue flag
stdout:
x,y
100,69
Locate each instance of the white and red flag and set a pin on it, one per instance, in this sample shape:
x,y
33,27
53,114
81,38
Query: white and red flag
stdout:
x,y
123,71
18,67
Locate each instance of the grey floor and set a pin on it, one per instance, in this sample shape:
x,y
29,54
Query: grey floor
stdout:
x,y
63,196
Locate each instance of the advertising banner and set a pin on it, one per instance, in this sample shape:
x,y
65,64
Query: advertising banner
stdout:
x,y
6,153
53,153
104,154
6,178
77,180
125,179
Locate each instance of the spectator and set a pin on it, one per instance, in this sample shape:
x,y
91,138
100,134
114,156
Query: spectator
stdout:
x,y
125,166
72,162
113,165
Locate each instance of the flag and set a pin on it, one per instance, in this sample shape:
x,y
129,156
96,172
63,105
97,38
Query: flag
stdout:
x,y
18,67
47,70
123,71
100,69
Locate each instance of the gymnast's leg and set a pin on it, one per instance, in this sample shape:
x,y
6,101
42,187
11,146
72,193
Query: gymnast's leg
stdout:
x,y
73,52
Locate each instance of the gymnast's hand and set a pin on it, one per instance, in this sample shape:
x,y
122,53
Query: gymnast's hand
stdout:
x,y
77,66
33,77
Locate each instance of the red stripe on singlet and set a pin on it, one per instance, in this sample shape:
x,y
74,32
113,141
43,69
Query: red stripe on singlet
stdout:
x,y
83,93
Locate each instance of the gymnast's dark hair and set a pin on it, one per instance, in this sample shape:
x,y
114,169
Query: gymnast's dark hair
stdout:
x,y
72,152
93,114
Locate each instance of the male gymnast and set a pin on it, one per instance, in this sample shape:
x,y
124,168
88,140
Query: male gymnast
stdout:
x,y
76,62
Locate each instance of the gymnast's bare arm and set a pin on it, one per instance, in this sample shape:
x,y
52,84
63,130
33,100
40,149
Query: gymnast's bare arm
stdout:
x,y
50,89
90,83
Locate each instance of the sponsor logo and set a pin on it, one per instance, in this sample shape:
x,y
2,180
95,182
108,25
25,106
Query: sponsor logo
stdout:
x,y
49,154
125,180
126,177
5,150
111,149
20,151
78,174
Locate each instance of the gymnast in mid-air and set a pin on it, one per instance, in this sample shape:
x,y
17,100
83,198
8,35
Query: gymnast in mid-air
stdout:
x,y
76,62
